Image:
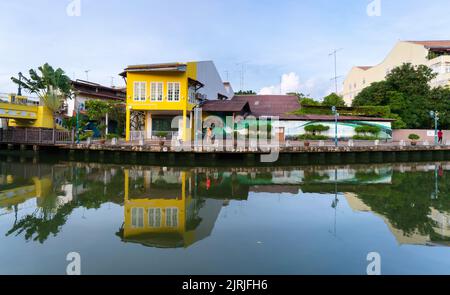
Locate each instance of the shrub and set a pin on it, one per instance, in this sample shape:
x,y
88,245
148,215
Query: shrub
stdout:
x,y
312,137
86,135
111,136
162,134
414,137
368,129
316,128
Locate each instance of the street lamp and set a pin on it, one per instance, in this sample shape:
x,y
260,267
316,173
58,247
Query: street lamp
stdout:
x,y
336,117
77,128
435,116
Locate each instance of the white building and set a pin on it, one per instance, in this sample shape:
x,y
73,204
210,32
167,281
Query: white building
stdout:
x,y
434,54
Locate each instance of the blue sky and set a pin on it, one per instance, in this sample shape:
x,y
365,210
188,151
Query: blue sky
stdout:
x,y
272,38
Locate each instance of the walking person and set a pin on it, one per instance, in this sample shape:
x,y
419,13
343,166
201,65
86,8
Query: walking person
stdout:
x,y
440,136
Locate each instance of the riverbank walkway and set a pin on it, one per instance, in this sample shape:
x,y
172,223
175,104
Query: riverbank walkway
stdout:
x,y
24,138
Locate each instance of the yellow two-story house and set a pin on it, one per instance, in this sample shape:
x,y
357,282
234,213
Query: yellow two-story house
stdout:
x,y
161,210
159,93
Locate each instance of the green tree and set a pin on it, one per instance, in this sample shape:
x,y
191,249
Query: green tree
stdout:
x,y
245,92
52,86
407,92
96,110
305,99
333,100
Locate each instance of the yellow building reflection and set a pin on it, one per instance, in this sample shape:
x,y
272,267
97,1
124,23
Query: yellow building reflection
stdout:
x,y
160,209
15,195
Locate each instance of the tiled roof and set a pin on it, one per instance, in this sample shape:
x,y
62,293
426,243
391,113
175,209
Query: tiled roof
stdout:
x,y
341,118
270,105
433,44
281,106
90,89
365,68
177,67
224,106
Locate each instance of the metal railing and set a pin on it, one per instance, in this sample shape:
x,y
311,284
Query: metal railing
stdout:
x,y
155,135
29,101
35,136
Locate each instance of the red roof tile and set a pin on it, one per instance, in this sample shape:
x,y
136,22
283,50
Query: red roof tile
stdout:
x,y
433,44
270,105
224,106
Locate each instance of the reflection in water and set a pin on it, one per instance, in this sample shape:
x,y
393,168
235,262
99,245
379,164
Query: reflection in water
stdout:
x,y
176,208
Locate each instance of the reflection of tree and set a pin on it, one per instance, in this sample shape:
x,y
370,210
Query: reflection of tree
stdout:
x,y
49,218
42,223
407,202
315,176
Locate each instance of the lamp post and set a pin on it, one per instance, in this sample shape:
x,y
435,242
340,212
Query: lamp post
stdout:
x,y
435,116
78,116
336,117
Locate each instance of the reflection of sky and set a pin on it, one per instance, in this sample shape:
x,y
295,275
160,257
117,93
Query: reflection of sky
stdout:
x,y
265,235
270,233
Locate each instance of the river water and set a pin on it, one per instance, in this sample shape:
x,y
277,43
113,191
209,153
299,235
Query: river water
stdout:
x,y
313,219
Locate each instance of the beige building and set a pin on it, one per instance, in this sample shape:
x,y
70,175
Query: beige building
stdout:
x,y
434,54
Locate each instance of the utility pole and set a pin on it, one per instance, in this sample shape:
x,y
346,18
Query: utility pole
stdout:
x,y
336,77
242,72
87,74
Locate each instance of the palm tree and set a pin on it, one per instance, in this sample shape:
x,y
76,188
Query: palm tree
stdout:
x,y
51,86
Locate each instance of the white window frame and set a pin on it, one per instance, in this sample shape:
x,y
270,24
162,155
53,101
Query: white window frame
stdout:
x,y
170,220
135,221
171,91
152,218
159,95
139,91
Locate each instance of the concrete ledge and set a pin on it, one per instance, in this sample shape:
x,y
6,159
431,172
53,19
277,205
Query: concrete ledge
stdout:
x,y
283,150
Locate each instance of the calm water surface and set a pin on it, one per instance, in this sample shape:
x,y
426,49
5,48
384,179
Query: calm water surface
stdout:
x,y
165,220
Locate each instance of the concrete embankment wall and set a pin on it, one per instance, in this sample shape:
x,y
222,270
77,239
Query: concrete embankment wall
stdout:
x,y
425,134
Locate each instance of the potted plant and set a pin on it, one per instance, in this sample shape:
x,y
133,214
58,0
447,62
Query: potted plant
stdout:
x,y
414,138
161,135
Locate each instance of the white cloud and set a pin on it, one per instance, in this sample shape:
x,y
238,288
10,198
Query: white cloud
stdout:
x,y
289,83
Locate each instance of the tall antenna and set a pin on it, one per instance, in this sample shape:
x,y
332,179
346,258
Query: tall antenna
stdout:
x,y
242,73
112,81
87,74
336,77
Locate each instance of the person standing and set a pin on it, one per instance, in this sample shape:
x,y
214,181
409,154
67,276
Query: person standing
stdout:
x,y
440,136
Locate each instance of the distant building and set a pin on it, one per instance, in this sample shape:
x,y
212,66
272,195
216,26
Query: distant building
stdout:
x,y
434,54
85,91
288,125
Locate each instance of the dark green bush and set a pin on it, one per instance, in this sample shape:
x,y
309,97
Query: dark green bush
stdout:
x,y
414,136
312,137
111,136
317,128
368,129
86,135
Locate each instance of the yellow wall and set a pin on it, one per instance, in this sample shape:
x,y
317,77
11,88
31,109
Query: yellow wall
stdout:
x,y
163,204
164,77
44,120
182,105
